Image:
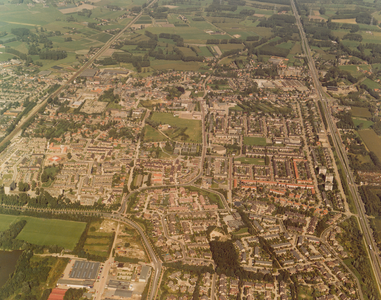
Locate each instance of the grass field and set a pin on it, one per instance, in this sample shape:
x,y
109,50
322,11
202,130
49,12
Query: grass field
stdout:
x,y
177,65
361,112
351,69
371,140
251,160
371,84
102,37
46,231
305,292
365,123
254,141
153,135
183,130
99,238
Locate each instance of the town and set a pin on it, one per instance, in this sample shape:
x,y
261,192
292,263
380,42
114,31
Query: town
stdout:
x,y
252,176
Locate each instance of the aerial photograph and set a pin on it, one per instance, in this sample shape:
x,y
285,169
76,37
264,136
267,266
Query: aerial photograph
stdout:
x,y
190,149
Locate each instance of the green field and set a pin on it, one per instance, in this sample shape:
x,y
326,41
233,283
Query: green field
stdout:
x,y
183,130
98,242
254,141
361,112
351,69
251,160
102,37
46,231
371,140
365,123
153,135
371,84
175,65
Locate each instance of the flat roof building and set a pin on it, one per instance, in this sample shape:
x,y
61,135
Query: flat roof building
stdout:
x,y
145,273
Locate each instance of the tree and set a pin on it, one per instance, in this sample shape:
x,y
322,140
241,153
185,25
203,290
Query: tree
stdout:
x,y
322,10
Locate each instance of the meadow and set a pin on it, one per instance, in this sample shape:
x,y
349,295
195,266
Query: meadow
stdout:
x,y
361,112
251,160
153,135
254,141
183,129
371,140
99,238
46,231
365,123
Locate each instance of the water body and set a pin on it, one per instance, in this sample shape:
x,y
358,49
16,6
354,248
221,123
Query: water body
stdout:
x,y
8,261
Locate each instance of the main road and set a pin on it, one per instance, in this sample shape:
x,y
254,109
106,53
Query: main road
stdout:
x,y
340,151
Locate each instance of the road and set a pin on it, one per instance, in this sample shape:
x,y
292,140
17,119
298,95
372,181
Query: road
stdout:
x,y
106,269
157,263
335,134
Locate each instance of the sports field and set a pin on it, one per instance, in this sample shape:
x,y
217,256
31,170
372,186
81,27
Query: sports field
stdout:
x,y
46,231
251,160
182,129
254,141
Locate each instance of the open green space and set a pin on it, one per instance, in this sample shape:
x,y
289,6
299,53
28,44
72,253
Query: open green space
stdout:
x,y
46,231
153,135
182,129
305,293
363,123
371,140
175,65
371,84
361,112
351,69
254,141
251,160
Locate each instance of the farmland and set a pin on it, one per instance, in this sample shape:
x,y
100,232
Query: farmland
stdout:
x,y
46,231
361,112
371,140
78,31
99,238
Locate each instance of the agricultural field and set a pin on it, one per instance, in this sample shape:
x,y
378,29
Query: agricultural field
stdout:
x,y
371,140
361,112
371,84
100,238
77,32
254,141
46,231
183,130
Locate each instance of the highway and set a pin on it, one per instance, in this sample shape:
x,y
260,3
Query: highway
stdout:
x,y
335,134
